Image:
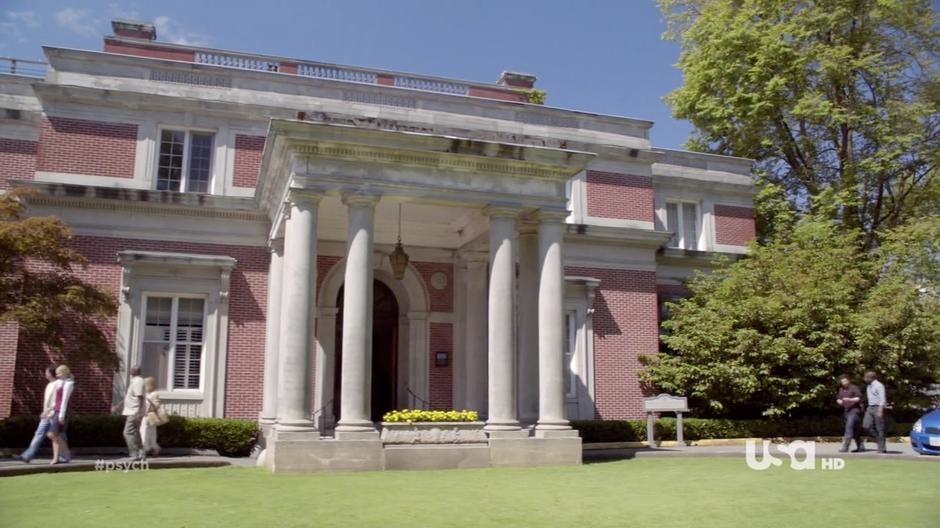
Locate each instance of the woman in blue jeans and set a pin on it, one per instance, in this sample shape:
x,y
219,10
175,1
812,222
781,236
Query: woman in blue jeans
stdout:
x,y
48,410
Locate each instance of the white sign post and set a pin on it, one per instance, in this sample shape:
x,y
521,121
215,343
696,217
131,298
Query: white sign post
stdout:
x,y
665,403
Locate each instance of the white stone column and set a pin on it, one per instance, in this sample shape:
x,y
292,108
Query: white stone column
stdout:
x,y
501,352
551,325
356,371
475,337
272,333
528,316
295,358
326,365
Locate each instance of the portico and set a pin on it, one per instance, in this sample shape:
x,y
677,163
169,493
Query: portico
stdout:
x,y
464,197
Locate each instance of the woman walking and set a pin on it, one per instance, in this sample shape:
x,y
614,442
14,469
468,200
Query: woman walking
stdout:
x,y
58,422
154,416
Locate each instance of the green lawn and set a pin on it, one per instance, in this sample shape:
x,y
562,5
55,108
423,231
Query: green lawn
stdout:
x,y
659,493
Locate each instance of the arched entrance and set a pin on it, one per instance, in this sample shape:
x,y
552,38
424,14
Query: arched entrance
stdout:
x,y
384,351
411,373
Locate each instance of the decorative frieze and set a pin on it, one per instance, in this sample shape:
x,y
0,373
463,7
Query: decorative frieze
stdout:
x,y
379,99
433,433
183,77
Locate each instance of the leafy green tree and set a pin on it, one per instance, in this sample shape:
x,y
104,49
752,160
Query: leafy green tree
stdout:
x,y
39,291
840,94
768,334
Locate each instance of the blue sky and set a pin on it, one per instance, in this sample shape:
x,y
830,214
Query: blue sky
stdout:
x,y
599,56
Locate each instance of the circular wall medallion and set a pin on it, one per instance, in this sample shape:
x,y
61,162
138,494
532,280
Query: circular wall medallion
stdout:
x,y
439,280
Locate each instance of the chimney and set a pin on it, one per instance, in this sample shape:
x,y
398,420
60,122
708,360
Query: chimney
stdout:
x,y
516,79
133,29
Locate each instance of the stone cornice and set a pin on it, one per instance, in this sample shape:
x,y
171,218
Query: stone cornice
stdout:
x,y
129,258
686,257
457,162
624,236
142,201
431,150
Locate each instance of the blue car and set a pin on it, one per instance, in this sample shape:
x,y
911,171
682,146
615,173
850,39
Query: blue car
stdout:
x,y
925,435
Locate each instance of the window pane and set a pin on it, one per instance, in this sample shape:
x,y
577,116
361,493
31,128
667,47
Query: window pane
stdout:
x,y
187,361
170,168
672,223
689,226
571,372
200,158
155,362
155,359
158,319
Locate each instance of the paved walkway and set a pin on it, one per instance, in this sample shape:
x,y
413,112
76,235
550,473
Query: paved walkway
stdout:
x,y
12,467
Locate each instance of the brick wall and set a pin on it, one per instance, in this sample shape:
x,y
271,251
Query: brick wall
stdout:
x,y
148,50
619,196
17,160
625,326
495,93
441,300
734,225
441,335
247,306
8,338
248,151
441,378
79,146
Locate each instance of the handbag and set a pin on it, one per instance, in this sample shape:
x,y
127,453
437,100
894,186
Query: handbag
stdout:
x,y
157,416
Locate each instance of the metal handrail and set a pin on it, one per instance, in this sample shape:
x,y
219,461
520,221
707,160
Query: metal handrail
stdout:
x,y
26,67
425,405
313,416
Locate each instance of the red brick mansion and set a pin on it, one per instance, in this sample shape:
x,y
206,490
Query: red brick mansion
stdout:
x,y
246,212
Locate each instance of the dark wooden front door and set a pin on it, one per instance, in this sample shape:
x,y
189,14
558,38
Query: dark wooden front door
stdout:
x,y
384,351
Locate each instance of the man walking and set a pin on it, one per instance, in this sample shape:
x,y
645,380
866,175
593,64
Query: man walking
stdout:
x,y
133,414
850,398
875,413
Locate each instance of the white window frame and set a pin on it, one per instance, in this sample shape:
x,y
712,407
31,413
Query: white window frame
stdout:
x,y
174,314
187,151
579,302
167,274
571,356
679,229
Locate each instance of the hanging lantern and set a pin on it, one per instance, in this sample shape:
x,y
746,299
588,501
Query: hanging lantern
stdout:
x,y
399,259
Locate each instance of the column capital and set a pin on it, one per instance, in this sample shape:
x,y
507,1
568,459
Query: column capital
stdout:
x,y
527,226
501,211
360,199
546,215
303,197
276,245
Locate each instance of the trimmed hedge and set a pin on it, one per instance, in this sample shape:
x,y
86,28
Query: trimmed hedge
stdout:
x,y
594,431
230,437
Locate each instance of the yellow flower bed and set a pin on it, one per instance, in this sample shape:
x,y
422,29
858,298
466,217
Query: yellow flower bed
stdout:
x,y
418,415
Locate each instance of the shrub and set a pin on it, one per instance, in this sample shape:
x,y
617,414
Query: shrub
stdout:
x,y
707,428
419,415
230,437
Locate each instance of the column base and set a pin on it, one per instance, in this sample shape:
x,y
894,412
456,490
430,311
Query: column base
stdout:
x,y
355,430
266,425
501,425
295,426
